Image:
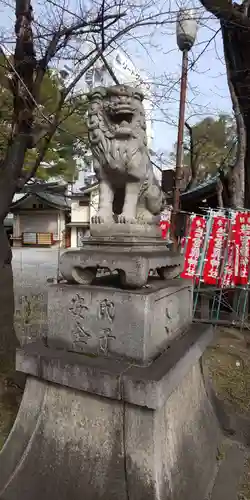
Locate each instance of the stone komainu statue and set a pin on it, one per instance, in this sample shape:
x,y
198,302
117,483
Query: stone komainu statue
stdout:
x,y
117,136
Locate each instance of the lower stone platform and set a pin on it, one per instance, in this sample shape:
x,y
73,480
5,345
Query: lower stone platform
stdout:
x,y
155,437
148,386
131,258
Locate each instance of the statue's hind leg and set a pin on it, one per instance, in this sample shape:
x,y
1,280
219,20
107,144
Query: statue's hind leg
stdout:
x,y
145,217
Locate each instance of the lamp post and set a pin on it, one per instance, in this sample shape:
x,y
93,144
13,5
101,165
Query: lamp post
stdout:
x,y
186,30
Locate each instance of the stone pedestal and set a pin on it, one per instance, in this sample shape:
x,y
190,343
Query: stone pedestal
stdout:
x,y
103,320
115,404
131,257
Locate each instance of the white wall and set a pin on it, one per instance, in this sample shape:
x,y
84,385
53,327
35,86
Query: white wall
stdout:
x,y
73,237
61,225
16,226
79,213
84,213
39,222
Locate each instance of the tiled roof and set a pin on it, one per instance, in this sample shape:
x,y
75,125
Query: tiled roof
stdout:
x,y
201,190
54,200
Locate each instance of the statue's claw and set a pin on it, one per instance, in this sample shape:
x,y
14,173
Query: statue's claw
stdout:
x,y
97,219
122,219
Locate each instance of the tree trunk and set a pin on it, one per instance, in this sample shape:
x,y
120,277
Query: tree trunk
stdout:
x,y
11,167
235,23
219,194
194,160
8,340
8,178
236,176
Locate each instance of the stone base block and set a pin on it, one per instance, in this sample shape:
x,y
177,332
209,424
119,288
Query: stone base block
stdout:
x,y
147,386
131,259
135,324
127,230
72,444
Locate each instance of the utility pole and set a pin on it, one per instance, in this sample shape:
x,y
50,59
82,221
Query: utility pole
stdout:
x,y
180,136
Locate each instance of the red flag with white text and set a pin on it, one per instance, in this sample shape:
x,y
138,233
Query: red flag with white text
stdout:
x,y
215,250
194,245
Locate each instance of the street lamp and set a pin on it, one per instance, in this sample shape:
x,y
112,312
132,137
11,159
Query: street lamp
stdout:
x,y
186,30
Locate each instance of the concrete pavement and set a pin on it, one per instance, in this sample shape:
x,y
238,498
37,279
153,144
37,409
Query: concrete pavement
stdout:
x,y
31,269
32,264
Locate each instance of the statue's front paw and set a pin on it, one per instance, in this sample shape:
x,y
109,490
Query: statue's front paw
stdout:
x,y
97,219
123,219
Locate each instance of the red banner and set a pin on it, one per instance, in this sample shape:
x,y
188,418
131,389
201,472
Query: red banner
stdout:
x,y
215,250
194,246
225,254
228,278
242,248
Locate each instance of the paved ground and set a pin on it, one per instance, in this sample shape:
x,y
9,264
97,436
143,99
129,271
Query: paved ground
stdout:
x,y
31,268
34,265
228,483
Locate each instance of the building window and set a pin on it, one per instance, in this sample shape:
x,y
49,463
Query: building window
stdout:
x,y
83,204
34,205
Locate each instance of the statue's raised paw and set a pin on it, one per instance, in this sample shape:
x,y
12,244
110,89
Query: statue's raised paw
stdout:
x,y
123,219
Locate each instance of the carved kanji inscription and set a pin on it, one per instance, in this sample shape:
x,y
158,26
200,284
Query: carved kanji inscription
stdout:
x,y
78,310
107,310
106,313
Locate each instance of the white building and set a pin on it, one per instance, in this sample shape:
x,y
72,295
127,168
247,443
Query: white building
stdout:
x,y
84,206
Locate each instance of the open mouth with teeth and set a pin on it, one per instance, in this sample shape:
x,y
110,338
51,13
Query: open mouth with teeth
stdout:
x,y
122,118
